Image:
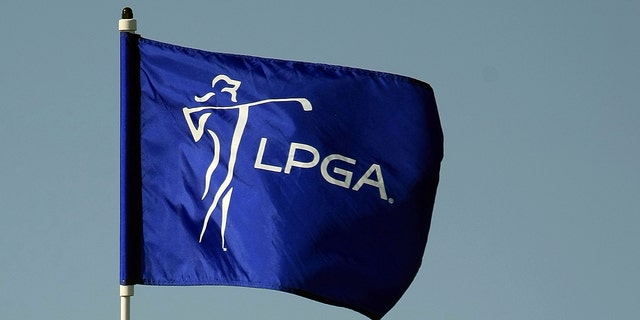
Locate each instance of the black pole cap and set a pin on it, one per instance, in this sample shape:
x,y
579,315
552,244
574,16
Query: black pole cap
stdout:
x,y
127,13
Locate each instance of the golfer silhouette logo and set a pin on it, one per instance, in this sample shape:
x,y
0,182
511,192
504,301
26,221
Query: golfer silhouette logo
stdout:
x,y
225,189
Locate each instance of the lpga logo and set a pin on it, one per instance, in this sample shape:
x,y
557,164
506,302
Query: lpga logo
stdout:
x,y
225,189
336,169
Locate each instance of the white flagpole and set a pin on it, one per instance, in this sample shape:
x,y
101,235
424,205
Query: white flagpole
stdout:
x,y
125,293
126,24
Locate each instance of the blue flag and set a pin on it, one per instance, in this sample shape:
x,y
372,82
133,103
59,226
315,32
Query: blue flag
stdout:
x,y
312,179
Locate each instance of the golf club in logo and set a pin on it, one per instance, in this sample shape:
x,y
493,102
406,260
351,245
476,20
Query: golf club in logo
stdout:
x,y
223,192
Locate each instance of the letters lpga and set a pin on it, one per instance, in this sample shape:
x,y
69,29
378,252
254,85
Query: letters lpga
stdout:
x,y
344,174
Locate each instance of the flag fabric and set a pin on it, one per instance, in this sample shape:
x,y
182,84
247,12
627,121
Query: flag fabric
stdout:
x,y
311,179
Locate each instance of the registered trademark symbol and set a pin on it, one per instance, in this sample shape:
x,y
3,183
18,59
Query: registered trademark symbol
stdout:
x,y
391,200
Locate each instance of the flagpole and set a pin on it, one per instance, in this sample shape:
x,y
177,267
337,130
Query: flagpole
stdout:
x,y
125,304
126,24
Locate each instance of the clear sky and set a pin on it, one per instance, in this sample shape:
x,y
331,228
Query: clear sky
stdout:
x,y
538,209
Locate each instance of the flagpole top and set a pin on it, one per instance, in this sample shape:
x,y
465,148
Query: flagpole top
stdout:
x,y
127,23
127,13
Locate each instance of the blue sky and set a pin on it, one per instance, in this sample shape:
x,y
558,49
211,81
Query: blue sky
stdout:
x,y
537,210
